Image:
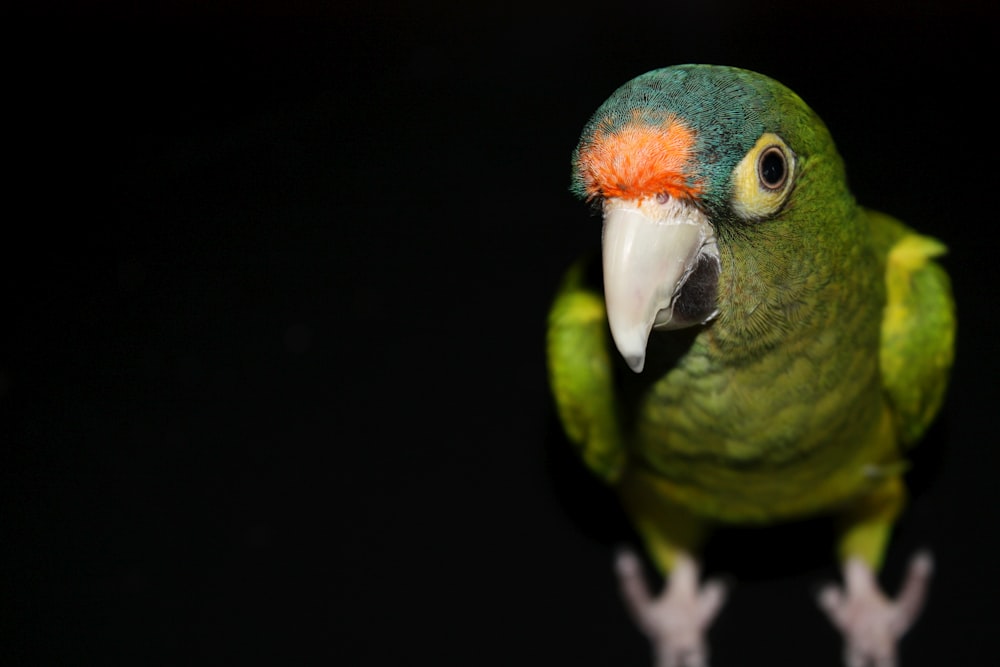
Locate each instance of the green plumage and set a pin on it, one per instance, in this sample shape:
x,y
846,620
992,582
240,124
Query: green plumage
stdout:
x,y
829,353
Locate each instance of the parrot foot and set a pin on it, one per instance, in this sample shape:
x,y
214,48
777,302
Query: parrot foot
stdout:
x,y
677,620
870,622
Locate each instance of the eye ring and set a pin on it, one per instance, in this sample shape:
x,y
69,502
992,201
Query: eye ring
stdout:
x,y
764,179
772,168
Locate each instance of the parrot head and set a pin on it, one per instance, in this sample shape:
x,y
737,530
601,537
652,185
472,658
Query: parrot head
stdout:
x,y
696,168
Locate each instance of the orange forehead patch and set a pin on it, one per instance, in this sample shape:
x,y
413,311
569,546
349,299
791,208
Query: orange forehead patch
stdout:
x,y
638,160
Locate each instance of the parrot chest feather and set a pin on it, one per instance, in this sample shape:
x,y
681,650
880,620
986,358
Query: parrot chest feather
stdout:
x,y
746,437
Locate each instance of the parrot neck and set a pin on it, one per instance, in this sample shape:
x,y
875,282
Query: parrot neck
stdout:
x,y
796,304
775,354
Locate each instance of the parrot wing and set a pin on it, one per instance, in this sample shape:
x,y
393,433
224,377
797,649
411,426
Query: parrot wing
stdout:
x,y
918,326
582,375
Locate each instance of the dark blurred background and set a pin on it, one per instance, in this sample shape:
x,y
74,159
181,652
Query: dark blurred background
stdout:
x,y
272,380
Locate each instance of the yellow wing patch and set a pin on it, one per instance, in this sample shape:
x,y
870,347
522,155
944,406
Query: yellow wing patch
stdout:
x,y
907,257
918,332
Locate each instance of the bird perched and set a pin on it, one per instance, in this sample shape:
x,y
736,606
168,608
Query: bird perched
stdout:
x,y
779,347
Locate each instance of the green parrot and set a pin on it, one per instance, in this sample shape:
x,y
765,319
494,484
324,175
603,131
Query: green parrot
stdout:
x,y
779,347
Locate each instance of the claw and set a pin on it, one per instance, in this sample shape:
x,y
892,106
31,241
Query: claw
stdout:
x,y
677,620
871,623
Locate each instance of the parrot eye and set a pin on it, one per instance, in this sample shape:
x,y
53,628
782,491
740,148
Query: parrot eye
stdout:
x,y
771,168
763,179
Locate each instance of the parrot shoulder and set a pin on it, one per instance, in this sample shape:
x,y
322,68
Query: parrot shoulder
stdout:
x,y
581,375
918,325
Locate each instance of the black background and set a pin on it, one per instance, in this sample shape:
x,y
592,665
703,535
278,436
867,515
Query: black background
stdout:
x,y
272,384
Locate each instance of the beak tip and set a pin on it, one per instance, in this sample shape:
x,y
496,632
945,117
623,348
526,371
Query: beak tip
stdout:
x,y
635,362
631,345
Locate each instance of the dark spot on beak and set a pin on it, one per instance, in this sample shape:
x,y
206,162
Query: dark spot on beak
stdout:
x,y
697,299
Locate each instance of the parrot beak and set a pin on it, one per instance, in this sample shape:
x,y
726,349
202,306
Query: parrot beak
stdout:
x,y
652,248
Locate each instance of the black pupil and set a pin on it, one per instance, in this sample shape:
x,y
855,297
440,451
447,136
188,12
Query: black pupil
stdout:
x,y
772,168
